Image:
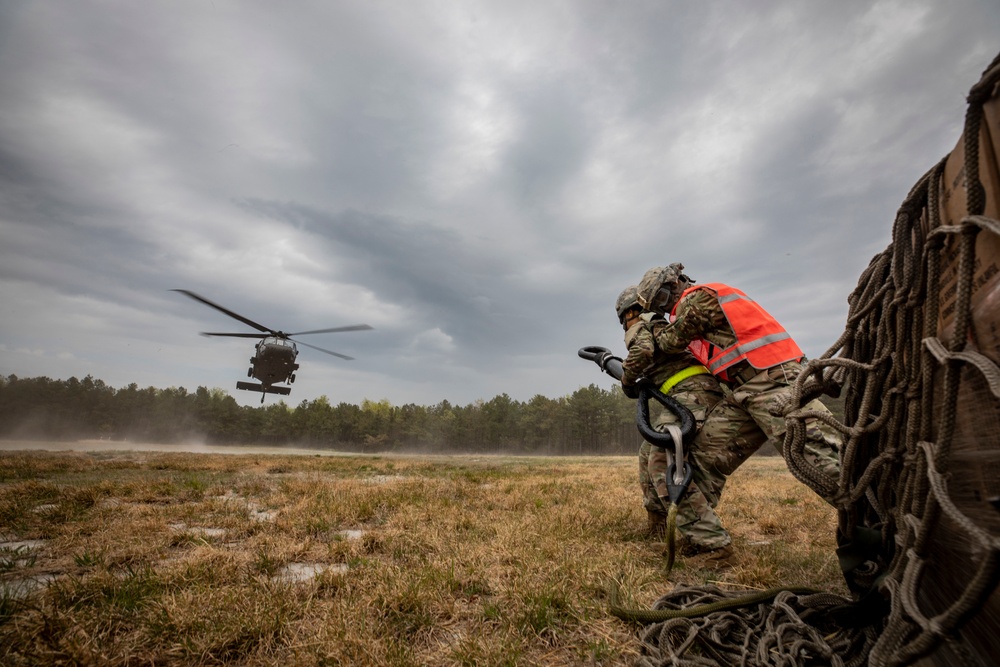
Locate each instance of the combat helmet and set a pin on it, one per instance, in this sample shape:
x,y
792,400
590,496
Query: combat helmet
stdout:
x,y
628,299
661,286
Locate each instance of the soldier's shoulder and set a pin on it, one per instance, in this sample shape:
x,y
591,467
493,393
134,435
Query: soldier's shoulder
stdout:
x,y
638,334
701,299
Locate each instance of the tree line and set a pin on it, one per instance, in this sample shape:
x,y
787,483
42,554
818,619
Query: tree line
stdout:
x,y
591,420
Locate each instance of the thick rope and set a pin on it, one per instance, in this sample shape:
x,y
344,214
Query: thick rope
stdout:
x,y
657,615
780,627
920,462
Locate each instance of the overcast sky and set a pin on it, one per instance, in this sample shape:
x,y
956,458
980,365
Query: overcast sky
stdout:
x,y
476,180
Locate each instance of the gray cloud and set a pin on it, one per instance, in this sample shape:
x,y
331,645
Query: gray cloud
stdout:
x,y
433,275
477,181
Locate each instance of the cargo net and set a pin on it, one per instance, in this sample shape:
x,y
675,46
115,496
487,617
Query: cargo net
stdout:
x,y
919,494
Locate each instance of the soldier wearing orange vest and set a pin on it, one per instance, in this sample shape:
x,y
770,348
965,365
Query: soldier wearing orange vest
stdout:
x,y
743,345
683,378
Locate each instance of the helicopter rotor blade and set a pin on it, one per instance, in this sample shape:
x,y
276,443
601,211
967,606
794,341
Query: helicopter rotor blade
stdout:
x,y
335,354
352,327
235,335
236,316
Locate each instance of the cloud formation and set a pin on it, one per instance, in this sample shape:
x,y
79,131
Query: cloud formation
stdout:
x,y
478,181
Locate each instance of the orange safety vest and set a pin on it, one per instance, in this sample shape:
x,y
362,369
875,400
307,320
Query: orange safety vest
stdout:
x,y
760,339
701,349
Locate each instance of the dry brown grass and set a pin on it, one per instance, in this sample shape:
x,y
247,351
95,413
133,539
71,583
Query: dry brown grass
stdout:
x,y
131,558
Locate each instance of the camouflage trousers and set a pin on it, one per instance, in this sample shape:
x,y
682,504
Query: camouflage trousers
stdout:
x,y
719,438
731,428
761,402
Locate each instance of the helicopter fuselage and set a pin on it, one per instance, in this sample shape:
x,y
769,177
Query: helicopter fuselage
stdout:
x,y
274,361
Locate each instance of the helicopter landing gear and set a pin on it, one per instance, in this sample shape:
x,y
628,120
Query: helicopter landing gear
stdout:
x,y
291,378
250,372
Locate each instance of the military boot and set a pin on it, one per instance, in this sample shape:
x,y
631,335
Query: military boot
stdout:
x,y
656,526
722,558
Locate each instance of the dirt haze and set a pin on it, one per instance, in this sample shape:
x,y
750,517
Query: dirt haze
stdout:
x,y
183,447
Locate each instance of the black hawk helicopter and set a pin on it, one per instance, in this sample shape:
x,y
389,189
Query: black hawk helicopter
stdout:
x,y
273,361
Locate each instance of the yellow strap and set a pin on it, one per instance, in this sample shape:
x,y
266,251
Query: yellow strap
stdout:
x,y
678,377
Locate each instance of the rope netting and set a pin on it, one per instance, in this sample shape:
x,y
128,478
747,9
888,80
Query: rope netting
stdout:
x,y
918,531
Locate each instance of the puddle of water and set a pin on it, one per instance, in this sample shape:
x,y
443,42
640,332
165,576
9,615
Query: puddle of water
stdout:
x,y
256,513
297,572
198,530
22,588
384,479
16,545
208,532
351,534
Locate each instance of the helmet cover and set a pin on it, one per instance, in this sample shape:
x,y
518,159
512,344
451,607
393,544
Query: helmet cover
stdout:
x,y
627,299
656,289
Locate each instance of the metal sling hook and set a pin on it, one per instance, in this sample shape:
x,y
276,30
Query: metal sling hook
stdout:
x,y
677,480
679,471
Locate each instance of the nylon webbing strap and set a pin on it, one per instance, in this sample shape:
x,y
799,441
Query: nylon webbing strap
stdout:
x,y
680,376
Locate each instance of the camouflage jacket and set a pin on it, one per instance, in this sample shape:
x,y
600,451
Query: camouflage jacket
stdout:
x,y
646,360
697,315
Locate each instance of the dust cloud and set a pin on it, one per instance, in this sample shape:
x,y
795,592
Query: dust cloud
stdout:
x,y
180,447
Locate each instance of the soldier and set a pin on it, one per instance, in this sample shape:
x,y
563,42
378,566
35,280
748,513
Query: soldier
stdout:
x,y
743,345
680,376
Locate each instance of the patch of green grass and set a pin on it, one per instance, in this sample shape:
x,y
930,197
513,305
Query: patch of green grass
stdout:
x,y
88,559
18,500
194,484
597,651
11,602
406,613
266,563
543,613
493,611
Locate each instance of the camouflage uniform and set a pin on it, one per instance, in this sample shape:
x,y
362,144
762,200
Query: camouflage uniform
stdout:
x,y
718,437
754,394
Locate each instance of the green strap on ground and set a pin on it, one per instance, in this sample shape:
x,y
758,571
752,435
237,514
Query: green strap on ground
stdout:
x,y
647,616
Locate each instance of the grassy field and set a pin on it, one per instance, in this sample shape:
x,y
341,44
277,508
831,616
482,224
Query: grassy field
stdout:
x,y
127,558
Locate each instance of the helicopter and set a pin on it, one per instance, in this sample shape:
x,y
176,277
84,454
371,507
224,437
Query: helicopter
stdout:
x,y
274,356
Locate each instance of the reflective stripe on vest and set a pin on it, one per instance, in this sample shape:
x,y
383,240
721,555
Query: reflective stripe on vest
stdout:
x,y
760,339
738,351
680,376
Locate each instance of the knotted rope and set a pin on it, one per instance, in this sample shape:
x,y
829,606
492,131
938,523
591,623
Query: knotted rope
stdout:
x,y
919,491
